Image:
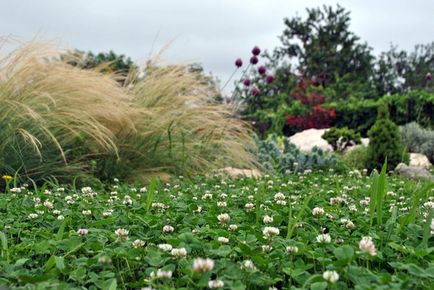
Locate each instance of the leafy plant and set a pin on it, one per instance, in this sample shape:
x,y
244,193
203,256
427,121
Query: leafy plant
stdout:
x,y
341,138
418,140
385,143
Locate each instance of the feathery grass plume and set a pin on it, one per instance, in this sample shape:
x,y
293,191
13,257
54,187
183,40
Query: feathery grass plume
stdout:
x,y
180,129
54,118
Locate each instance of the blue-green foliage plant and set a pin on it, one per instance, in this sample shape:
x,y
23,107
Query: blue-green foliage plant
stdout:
x,y
277,154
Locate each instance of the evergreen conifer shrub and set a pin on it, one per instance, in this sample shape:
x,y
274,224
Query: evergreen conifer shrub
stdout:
x,y
385,142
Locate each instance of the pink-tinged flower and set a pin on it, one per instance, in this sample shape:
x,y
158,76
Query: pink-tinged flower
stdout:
x,y
238,62
269,79
203,265
82,232
428,76
122,234
366,244
262,69
256,50
254,60
215,284
168,229
247,82
254,91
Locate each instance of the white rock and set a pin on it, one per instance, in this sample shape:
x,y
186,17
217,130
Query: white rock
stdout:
x,y
419,160
310,138
413,172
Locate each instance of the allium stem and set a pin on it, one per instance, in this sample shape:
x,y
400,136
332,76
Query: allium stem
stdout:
x,y
232,75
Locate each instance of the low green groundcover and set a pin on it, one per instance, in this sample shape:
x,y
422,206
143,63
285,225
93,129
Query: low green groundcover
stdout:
x,y
303,231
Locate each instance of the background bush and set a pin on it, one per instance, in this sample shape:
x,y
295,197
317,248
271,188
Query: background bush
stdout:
x,y
279,155
418,139
341,138
385,143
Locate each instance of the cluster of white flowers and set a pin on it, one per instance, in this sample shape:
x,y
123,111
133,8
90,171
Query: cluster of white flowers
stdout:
x,y
352,207
69,199
429,205
201,265
107,213
337,200
432,227
292,249
268,219
365,201
48,204
248,265
223,240
165,247
323,239
207,196
159,205
33,216
127,200
266,248
215,284
249,206
232,228
366,244
330,276
138,243
224,218
179,252
318,211
270,232
279,198
86,212
122,234
161,274
82,232
222,204
348,223
168,229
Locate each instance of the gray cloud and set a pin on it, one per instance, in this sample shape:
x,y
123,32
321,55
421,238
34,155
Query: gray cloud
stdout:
x,y
213,33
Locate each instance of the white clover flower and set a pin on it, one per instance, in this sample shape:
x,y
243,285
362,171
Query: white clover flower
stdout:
x,y
179,252
162,274
224,218
366,244
330,276
207,196
249,206
86,212
223,240
270,232
56,212
116,180
201,265
15,190
48,204
82,232
215,284
323,238
143,190
248,265
107,213
232,228
165,247
266,248
61,189
60,217
364,202
168,229
429,205
222,204
223,196
318,211
33,215
336,200
292,249
279,196
122,234
138,243
268,219
127,200
352,207
432,227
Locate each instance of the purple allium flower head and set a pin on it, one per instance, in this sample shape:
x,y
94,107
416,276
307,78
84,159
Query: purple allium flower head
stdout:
x,y
254,91
269,79
254,60
238,62
247,82
262,70
428,76
256,50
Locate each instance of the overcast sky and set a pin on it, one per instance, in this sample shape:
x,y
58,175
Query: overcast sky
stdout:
x,y
211,32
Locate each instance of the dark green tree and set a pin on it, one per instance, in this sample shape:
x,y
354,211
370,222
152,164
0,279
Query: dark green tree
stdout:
x,y
328,52
109,62
398,71
385,143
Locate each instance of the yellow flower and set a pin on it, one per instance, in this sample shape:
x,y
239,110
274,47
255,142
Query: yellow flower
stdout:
x,y
7,177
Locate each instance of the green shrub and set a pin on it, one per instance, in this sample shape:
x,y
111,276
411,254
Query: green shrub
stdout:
x,y
356,158
277,157
385,143
418,140
360,115
341,138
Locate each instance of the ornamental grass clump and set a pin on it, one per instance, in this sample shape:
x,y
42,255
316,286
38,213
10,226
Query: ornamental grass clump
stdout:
x,y
61,121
